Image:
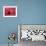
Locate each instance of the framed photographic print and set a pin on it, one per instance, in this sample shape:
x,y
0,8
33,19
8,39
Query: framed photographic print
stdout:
x,y
9,11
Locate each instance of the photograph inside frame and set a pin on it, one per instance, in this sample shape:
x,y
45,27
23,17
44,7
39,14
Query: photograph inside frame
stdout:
x,y
32,32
